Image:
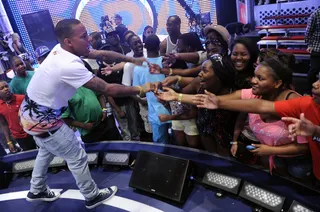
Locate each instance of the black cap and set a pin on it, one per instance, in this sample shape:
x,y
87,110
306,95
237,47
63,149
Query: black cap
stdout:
x,y
117,16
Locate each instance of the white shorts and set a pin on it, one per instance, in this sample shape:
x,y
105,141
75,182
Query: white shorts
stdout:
x,y
189,127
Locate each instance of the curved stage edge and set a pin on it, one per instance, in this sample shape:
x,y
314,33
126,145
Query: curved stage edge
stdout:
x,y
126,199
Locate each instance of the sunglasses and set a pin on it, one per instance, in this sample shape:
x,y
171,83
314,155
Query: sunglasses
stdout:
x,y
217,58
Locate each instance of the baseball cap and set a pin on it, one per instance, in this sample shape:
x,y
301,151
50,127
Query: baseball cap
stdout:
x,y
41,50
219,29
117,16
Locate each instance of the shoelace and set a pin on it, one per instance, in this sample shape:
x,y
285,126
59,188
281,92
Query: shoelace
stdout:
x,y
50,193
104,191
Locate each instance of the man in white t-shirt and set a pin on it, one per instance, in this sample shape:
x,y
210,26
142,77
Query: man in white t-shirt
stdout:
x,y
54,83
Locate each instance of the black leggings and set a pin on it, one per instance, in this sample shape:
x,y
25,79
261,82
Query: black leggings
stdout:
x,y
26,143
314,69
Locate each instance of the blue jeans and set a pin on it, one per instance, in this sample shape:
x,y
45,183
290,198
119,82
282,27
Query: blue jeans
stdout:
x,y
298,167
129,124
160,133
64,144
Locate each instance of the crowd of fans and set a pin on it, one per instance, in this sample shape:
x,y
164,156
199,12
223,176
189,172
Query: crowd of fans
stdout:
x,y
188,74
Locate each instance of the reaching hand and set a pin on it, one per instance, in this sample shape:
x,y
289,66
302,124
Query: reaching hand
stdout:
x,y
164,117
88,126
107,70
234,149
300,127
169,95
208,100
11,147
148,87
157,85
139,61
171,80
170,59
155,69
262,150
165,64
309,49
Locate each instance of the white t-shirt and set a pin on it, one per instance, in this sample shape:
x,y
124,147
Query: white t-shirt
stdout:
x,y
52,85
128,69
57,79
127,76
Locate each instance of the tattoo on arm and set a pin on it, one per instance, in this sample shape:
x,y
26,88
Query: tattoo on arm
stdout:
x,y
102,55
96,84
115,90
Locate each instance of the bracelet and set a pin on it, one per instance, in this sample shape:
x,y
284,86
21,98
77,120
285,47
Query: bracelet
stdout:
x,y
140,90
9,143
170,71
234,142
179,79
104,110
180,97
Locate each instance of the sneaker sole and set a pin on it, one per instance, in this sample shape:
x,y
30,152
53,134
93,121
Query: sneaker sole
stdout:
x,y
43,199
99,203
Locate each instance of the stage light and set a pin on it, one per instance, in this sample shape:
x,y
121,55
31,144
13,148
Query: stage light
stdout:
x,y
297,207
93,158
262,197
28,165
223,182
57,162
121,159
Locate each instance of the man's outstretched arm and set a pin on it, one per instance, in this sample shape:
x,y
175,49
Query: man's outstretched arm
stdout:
x,y
115,90
110,55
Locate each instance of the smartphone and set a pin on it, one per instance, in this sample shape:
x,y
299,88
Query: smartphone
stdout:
x,y
250,147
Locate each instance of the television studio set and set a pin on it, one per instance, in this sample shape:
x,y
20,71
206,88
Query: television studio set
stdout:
x,y
160,105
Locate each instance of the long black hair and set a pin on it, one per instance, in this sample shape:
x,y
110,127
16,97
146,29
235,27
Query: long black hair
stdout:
x,y
224,69
144,30
243,78
253,50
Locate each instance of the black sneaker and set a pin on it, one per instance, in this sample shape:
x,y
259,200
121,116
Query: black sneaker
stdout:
x,y
104,195
47,196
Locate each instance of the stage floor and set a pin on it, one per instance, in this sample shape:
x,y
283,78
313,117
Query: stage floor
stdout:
x,y
126,199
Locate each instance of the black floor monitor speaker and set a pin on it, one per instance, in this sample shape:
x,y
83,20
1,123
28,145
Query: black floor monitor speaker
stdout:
x,y
162,175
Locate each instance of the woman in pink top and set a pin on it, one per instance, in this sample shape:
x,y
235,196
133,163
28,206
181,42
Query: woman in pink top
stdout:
x,y
271,81
273,133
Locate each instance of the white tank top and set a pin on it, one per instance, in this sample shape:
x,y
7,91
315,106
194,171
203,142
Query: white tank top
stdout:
x,y
171,47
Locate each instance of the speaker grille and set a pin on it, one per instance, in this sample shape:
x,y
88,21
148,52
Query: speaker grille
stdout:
x,y
160,174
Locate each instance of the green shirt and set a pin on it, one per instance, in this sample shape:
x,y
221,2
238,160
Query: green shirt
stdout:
x,y
18,85
84,107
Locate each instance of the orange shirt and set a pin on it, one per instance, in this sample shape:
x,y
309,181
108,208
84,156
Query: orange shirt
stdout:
x,y
293,108
10,113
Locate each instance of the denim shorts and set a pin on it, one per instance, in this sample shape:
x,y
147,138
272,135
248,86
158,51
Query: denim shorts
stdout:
x,y
299,166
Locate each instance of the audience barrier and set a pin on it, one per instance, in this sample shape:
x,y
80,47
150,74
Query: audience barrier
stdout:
x,y
203,161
